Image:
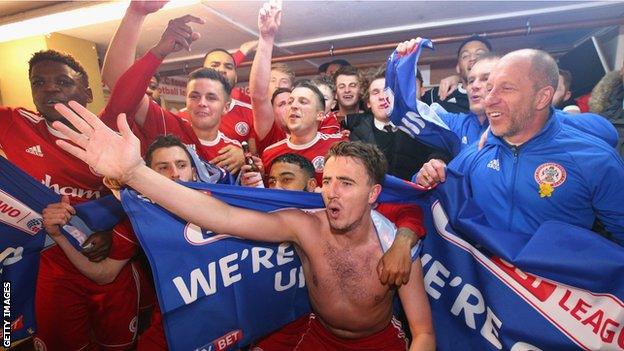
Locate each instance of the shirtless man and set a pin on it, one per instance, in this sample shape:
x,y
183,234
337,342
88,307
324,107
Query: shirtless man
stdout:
x,y
338,246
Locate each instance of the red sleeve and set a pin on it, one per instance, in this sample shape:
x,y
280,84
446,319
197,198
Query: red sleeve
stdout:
x,y
329,125
238,57
404,215
274,135
124,241
129,90
6,120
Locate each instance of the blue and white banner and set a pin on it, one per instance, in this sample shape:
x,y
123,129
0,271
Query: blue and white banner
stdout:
x,y
21,239
22,199
217,291
484,298
412,115
559,289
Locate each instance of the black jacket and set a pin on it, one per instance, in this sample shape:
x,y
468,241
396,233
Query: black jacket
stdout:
x,y
405,154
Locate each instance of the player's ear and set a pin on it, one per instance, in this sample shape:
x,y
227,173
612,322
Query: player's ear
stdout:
x,y
374,194
311,184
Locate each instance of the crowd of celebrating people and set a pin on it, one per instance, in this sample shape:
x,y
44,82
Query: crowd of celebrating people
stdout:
x,y
527,152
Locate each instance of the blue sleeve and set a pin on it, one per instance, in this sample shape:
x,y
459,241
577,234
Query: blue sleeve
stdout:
x,y
462,161
608,196
591,124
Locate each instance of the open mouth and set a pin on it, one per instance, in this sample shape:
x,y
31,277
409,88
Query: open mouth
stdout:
x,y
493,114
333,211
52,102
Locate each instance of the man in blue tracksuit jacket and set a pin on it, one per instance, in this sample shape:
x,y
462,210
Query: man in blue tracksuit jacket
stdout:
x,y
535,167
470,126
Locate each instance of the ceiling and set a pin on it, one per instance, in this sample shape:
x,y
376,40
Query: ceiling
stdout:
x,y
312,26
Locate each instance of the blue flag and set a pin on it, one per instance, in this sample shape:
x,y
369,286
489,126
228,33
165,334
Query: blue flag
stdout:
x,y
481,291
239,290
412,115
558,289
21,201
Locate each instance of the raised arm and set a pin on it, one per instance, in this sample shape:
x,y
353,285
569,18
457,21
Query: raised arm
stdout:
x,y
118,157
243,51
269,19
121,51
128,95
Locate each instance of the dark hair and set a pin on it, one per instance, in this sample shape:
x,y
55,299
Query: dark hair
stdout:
x,y
474,37
162,141
221,50
345,71
326,81
567,78
419,77
209,73
367,78
157,76
324,66
298,160
369,154
52,55
279,91
306,83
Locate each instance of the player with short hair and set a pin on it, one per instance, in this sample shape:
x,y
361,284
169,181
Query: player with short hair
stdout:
x,y
65,299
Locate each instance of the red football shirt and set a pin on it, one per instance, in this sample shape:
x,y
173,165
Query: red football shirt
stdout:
x,y
160,121
329,124
124,241
236,124
29,143
314,151
276,133
126,97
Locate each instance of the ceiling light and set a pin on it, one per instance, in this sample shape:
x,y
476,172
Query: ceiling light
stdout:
x,y
75,18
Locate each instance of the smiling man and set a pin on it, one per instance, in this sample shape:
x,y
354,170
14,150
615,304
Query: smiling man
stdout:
x,y
535,165
348,91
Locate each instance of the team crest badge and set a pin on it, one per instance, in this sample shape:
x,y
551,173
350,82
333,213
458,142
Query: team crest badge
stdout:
x,y
549,176
319,163
242,128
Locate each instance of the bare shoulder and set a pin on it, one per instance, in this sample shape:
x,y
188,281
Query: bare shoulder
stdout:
x,y
306,224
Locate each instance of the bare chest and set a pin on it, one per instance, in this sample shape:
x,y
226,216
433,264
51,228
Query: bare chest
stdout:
x,y
349,275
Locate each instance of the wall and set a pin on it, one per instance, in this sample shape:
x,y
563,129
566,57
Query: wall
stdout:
x,y
14,84
14,56
85,52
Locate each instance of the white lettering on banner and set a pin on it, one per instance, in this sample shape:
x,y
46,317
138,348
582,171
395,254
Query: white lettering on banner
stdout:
x,y
11,255
19,216
69,191
432,276
202,283
592,321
